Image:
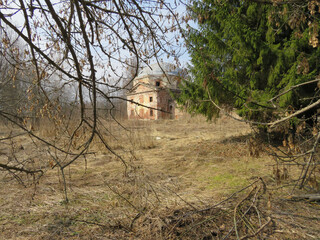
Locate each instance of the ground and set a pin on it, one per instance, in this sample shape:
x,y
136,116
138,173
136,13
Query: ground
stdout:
x,y
185,179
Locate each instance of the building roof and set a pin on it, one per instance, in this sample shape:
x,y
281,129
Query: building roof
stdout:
x,y
156,70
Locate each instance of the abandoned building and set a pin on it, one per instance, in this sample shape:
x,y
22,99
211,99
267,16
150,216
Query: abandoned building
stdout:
x,y
152,90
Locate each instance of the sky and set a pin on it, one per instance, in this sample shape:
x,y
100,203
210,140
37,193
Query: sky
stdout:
x,y
18,20
184,59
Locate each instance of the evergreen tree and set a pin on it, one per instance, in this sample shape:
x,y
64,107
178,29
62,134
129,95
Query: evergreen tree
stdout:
x,y
246,53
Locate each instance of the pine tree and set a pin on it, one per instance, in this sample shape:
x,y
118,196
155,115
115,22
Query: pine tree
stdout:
x,y
246,53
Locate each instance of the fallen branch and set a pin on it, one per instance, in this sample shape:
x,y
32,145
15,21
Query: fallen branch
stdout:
x,y
314,197
4,166
236,209
258,231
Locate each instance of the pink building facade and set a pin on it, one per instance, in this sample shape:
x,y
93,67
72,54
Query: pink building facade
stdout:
x,y
151,94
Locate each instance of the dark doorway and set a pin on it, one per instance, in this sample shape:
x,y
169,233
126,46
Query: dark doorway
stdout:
x,y
171,112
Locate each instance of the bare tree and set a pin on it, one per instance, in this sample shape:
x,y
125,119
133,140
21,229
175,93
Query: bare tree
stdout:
x,y
82,45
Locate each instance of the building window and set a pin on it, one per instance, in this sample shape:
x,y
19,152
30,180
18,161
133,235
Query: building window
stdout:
x,y
157,83
132,113
151,99
151,112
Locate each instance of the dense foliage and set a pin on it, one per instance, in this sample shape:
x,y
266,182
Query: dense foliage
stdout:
x,y
246,53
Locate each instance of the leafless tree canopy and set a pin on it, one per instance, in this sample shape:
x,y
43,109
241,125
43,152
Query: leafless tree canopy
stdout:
x,y
74,53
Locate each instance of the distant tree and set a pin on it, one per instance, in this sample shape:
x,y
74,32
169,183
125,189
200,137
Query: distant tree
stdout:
x,y
16,79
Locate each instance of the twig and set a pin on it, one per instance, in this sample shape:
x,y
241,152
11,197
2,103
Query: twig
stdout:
x,y
121,196
310,159
293,87
183,199
4,166
271,124
249,208
136,218
10,137
228,198
235,211
258,231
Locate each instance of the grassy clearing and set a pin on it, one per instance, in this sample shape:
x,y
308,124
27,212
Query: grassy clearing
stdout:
x,y
173,167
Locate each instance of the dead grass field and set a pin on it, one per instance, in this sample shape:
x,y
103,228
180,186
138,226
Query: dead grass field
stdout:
x,y
176,169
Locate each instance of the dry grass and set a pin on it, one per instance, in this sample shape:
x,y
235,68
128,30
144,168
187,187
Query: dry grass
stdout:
x,y
173,167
